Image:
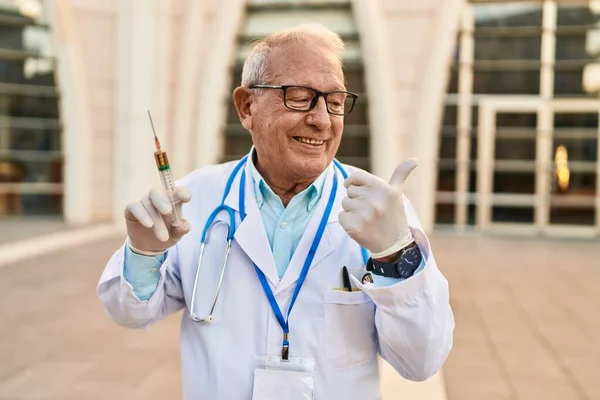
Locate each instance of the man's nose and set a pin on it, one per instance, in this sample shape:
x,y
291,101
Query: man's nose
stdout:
x,y
319,116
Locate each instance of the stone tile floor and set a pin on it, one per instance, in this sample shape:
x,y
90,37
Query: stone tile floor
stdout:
x,y
527,318
527,314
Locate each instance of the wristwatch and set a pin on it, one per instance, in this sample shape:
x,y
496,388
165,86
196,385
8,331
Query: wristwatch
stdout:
x,y
404,266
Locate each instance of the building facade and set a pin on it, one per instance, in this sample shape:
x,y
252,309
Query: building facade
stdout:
x,y
519,137
491,97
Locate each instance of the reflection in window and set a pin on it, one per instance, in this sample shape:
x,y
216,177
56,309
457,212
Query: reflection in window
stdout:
x,y
507,14
30,146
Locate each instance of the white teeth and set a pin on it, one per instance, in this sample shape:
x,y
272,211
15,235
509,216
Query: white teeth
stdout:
x,y
310,141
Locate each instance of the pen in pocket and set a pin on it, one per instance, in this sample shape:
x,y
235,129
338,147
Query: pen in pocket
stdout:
x,y
346,278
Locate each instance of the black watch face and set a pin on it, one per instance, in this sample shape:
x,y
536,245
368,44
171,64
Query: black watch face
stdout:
x,y
411,257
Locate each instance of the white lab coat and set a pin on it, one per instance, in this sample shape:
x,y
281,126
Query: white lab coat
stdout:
x,y
410,324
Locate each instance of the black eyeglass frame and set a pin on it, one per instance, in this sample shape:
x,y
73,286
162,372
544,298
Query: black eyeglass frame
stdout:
x,y
314,101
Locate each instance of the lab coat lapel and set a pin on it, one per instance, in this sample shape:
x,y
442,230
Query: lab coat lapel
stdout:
x,y
325,248
250,234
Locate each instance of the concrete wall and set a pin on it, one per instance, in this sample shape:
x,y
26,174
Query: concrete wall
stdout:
x,y
118,59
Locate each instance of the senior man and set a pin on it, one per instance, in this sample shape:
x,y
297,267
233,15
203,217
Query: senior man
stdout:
x,y
328,265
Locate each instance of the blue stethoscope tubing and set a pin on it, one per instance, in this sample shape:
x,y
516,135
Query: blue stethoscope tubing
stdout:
x,y
230,232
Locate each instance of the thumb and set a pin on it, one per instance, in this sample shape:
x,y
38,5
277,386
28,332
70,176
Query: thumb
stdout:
x,y
402,171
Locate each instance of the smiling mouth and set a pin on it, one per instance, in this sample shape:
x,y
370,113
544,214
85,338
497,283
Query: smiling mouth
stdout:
x,y
312,142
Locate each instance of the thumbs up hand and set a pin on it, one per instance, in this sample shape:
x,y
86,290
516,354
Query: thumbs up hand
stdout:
x,y
374,213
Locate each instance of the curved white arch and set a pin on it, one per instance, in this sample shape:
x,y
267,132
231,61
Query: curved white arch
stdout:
x,y
378,79
188,78
215,82
75,114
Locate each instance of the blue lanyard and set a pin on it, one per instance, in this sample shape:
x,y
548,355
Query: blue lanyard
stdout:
x,y
283,322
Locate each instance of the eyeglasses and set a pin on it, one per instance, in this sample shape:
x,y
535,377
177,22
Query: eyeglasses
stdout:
x,y
302,98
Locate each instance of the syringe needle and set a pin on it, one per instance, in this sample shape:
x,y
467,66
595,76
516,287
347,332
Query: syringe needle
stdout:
x,y
156,142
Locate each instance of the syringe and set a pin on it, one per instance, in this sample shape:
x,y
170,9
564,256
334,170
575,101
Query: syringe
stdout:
x,y
166,177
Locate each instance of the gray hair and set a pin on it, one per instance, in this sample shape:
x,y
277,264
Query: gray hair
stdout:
x,y
255,66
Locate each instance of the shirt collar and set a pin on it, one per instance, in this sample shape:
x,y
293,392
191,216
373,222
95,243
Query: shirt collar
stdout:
x,y
262,189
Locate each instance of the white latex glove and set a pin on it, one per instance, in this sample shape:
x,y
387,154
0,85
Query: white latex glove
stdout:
x,y
374,213
150,224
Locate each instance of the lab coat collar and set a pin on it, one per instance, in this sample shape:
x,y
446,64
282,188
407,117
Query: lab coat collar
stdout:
x,y
252,237
250,233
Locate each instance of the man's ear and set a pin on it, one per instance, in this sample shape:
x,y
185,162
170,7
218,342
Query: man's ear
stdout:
x,y
242,98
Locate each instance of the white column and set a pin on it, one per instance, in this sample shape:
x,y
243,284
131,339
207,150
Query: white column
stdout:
x,y
486,134
421,186
545,118
216,81
196,42
75,113
140,87
379,80
598,182
464,116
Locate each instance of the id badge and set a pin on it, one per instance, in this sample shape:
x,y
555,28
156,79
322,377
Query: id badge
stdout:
x,y
275,379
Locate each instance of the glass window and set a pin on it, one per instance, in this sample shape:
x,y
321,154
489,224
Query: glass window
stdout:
x,y
507,61
453,83
31,204
506,119
579,183
515,149
30,141
569,120
508,14
18,105
573,215
579,149
446,178
34,170
444,213
450,118
514,182
570,13
513,214
569,81
506,82
571,46
354,80
504,47
574,43
448,146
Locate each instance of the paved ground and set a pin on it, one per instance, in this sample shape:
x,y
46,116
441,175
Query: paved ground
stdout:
x,y
528,326
528,319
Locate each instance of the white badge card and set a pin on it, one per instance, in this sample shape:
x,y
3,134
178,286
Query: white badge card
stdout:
x,y
275,379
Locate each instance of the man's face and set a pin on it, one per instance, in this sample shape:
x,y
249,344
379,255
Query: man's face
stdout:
x,y
296,144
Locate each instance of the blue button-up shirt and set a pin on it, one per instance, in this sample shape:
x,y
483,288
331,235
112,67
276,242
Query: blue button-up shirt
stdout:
x,y
284,227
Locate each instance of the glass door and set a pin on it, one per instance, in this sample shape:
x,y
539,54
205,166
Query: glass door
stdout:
x,y
534,174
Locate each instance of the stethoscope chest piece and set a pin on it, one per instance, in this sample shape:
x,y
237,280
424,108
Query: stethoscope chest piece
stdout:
x,y
210,223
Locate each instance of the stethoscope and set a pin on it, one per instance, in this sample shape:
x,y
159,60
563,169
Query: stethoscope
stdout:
x,y
210,223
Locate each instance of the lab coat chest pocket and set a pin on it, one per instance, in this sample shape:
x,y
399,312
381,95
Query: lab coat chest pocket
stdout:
x,y
349,328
